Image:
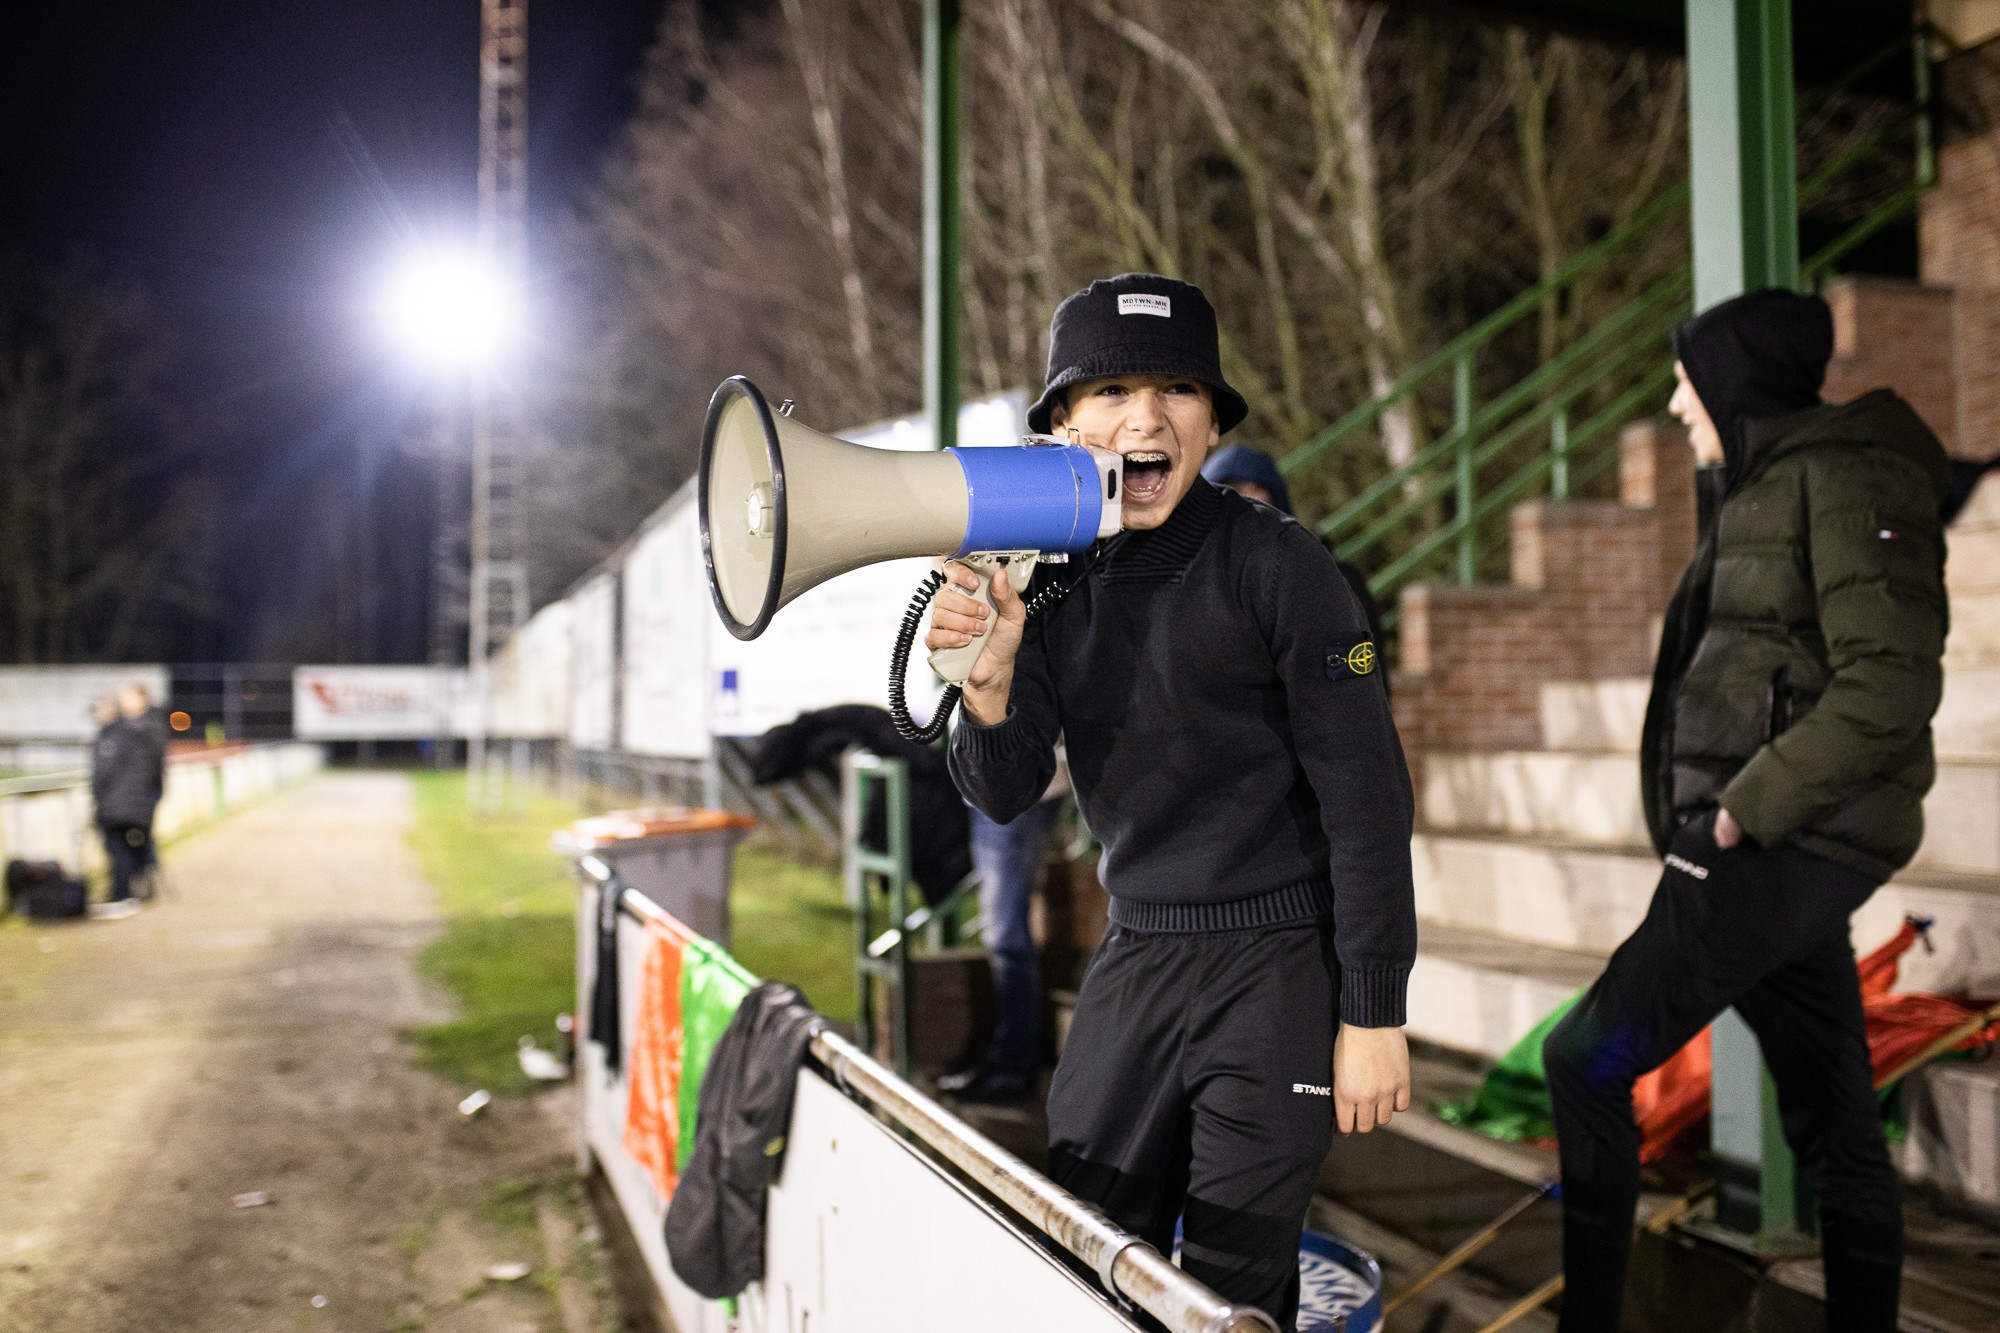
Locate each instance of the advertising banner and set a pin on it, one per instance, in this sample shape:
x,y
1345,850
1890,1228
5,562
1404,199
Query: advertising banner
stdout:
x,y
667,623
378,703
593,663
532,678
52,703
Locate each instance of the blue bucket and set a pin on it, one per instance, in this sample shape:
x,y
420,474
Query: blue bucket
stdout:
x,y
1340,1287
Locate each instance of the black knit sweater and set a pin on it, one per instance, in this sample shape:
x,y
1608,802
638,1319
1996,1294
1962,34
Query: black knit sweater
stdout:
x,y
1228,740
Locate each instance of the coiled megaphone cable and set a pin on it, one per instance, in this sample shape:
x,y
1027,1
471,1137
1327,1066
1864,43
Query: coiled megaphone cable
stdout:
x,y
899,658
899,667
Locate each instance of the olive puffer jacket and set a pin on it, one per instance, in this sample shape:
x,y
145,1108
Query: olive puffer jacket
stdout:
x,y
1800,661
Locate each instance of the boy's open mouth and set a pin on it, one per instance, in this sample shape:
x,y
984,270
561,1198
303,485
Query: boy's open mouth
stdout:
x,y
1146,475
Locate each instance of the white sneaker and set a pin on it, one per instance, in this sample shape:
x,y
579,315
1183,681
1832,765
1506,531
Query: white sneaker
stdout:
x,y
117,910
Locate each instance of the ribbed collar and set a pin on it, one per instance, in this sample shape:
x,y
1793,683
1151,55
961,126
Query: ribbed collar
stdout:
x,y
1163,554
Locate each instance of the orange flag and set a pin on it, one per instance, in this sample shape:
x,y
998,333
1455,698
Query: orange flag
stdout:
x,y
653,1070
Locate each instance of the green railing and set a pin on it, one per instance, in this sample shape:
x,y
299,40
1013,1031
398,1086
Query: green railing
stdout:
x,y
1425,517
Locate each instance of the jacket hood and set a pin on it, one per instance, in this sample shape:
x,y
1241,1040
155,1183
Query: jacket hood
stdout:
x,y
1761,354
1878,417
1239,462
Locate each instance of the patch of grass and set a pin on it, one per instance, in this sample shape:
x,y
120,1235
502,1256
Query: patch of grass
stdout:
x,y
788,923
508,951
510,1204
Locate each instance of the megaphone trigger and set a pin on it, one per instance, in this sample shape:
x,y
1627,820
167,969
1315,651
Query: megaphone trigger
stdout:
x,y
953,665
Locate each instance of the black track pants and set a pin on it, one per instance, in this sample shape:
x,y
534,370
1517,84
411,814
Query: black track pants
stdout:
x,y
1766,932
1196,1085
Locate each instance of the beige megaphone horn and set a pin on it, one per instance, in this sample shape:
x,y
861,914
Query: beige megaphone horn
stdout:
x,y
784,508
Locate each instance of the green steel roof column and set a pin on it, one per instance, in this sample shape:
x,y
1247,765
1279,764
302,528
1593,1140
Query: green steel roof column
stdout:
x,y
1746,235
941,221
1746,214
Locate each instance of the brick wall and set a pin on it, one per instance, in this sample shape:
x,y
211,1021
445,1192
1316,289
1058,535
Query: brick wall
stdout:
x,y
1960,228
1900,334
1656,472
1589,581
1960,244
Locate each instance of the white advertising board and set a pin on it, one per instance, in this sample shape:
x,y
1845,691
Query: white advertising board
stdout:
x,y
531,678
593,663
668,621
52,703
850,1185
358,703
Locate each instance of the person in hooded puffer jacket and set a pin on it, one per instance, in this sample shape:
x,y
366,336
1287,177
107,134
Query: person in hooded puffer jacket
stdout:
x,y
1784,762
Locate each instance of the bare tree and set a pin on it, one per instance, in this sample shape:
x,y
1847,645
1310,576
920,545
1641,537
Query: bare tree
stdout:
x,y
106,506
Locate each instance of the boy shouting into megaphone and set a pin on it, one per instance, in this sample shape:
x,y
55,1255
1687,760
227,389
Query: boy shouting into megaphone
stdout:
x,y
1210,672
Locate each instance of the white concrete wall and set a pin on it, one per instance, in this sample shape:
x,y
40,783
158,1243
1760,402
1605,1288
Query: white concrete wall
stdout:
x,y
51,819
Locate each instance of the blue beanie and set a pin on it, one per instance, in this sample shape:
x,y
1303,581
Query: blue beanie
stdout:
x,y
1239,462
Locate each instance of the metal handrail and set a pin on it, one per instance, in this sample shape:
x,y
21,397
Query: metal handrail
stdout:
x,y
33,783
1639,224
1130,1269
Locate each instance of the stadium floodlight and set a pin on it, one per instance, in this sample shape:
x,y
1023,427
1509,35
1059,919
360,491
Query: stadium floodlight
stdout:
x,y
451,309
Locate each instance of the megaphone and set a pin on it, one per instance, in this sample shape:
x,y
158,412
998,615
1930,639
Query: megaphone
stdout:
x,y
784,508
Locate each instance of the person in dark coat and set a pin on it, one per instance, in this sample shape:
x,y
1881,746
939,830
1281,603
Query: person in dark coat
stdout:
x,y
940,843
127,778
1784,761
1254,475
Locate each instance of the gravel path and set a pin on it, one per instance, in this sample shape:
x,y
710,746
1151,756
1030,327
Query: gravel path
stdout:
x,y
242,1035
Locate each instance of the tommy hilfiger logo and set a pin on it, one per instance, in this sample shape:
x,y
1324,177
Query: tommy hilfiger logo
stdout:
x,y
1686,867
1312,1089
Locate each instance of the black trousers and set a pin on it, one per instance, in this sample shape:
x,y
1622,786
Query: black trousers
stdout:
x,y
1764,931
1196,1086
129,849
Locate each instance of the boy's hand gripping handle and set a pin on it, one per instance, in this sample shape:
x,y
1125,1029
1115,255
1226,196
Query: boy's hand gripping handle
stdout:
x,y
953,665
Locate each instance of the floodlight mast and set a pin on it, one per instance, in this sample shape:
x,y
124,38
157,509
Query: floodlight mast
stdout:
x,y
498,596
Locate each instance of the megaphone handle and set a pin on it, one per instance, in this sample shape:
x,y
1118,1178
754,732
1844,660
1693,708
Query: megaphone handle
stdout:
x,y
953,665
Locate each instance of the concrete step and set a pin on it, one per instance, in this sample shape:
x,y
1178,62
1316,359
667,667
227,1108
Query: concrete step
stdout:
x,y
1603,716
1974,641
1967,725
1565,796
1593,800
1481,993
1606,716
1972,557
1953,1114
1984,506
1588,899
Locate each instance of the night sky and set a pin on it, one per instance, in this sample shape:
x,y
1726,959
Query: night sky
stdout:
x,y
208,148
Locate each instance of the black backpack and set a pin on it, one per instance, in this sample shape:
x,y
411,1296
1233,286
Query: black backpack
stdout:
x,y
715,1222
41,890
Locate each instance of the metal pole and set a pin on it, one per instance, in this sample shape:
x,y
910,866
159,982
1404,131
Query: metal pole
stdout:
x,y
1559,446
1745,213
1461,399
499,593
1740,132
941,221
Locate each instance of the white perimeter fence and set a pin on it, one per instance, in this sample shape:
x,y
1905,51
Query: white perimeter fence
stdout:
x,y
49,817
891,1215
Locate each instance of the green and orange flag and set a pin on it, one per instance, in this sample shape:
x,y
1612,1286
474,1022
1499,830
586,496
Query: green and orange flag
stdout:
x,y
688,992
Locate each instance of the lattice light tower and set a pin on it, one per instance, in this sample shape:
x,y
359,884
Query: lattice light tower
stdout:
x,y
498,596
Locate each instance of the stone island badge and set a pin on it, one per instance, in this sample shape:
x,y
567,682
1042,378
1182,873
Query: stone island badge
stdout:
x,y
1353,659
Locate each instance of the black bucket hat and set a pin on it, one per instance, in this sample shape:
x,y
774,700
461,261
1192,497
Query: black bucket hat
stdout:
x,y
1136,324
